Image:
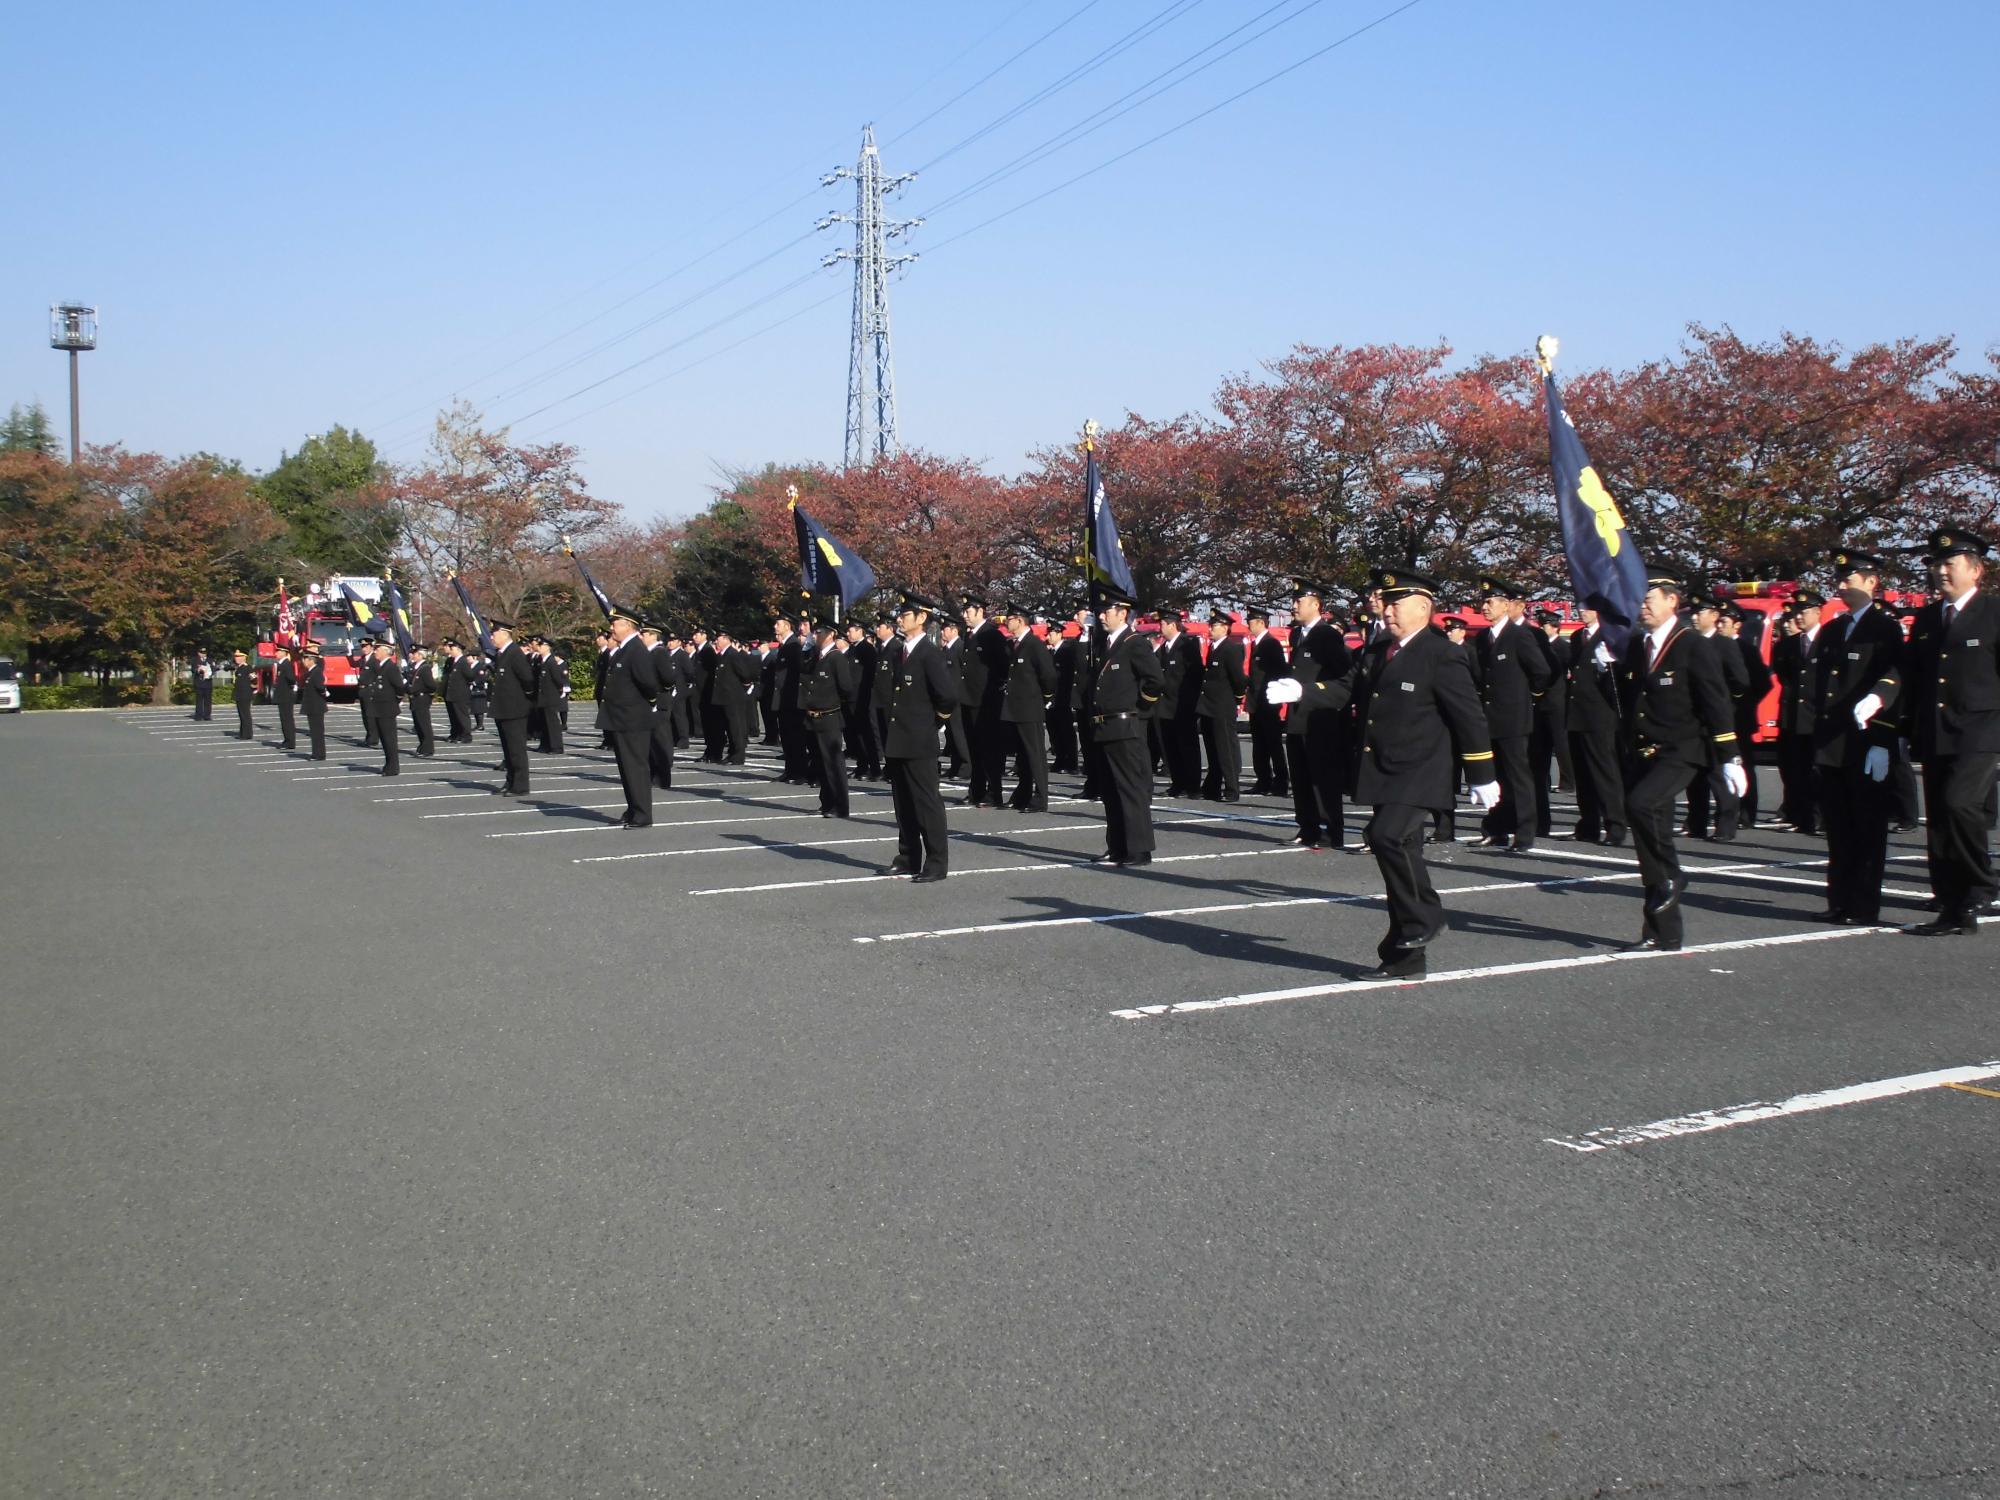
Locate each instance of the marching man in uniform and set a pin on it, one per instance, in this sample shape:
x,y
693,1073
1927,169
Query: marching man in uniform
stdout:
x,y
1118,702
922,693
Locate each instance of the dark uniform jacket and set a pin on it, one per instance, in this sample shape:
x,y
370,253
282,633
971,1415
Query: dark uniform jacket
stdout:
x,y
1756,683
1735,681
244,688
1180,676
983,661
1127,686
1320,661
1951,701
423,683
312,692
1792,662
1416,706
1223,679
1552,708
1678,705
862,656
284,681
551,678
783,665
513,683
1856,657
1593,687
736,678
630,687
826,688
1267,663
381,688
668,672
922,694
1068,657
1514,669
1030,682
458,680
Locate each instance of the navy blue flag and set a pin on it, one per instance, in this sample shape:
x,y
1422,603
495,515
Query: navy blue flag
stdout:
x,y
603,599
399,617
828,567
364,613
478,620
1605,572
1103,557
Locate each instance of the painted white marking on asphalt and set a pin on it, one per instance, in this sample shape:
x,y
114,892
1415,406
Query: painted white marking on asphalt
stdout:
x,y
1708,1120
1007,833
1493,971
1039,866
610,827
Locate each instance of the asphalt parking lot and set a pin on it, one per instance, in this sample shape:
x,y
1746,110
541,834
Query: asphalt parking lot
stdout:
x,y
383,1137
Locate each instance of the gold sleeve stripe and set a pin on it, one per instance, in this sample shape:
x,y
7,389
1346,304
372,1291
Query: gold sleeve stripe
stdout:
x,y
1720,738
1479,755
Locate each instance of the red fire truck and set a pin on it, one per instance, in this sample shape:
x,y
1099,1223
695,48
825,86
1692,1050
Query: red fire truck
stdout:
x,y
324,616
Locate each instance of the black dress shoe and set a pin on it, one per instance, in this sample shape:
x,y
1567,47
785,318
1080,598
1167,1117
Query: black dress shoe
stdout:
x,y
1107,858
1409,966
1667,901
1523,846
928,877
900,866
1131,860
1428,938
1490,841
1833,918
1652,945
1306,841
1615,840
1946,926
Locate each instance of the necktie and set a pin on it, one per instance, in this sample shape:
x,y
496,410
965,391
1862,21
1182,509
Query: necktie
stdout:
x,y
1390,655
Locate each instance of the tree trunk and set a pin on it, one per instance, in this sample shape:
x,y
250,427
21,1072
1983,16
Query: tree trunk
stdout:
x,y
163,683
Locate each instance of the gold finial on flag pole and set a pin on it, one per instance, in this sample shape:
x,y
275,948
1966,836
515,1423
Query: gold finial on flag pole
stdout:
x,y
1545,352
1090,432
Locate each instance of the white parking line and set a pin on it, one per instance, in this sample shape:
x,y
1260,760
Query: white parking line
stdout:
x,y
611,827
1799,1104
1494,971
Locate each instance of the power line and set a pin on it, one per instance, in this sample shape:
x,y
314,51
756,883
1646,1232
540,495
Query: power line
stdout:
x,y
992,73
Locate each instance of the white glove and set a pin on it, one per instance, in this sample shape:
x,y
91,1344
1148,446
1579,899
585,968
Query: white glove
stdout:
x,y
1736,776
1487,795
1283,690
1877,763
1866,709
1603,657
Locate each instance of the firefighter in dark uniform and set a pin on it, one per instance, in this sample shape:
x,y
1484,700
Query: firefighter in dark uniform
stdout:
x,y
243,690
1857,676
1677,715
203,672
513,683
1319,656
1792,662
1178,714
827,685
1270,774
667,672
1418,713
1119,698
983,660
922,692
312,698
285,672
1951,707
1711,791
457,693
1594,726
631,691
382,702
1067,654
1548,742
482,685
862,743
1748,646
1024,709
423,691
1225,677
1513,669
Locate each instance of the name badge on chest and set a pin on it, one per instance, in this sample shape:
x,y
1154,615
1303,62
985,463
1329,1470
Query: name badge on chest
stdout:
x,y
1408,687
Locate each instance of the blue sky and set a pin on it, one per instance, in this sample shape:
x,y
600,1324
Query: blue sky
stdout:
x,y
293,216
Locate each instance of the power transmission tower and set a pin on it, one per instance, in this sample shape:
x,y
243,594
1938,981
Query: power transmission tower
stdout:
x,y
871,368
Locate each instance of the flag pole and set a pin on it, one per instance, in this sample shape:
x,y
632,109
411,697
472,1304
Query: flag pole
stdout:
x,y
1088,448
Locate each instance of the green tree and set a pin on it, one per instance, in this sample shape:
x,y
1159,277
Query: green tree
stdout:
x,y
27,430
726,576
332,496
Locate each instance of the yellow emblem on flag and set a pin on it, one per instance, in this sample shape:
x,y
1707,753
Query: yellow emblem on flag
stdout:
x,y
826,551
1610,525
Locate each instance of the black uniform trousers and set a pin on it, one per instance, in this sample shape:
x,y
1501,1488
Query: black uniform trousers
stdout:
x,y
1543,757
1269,769
514,754
1711,791
862,744
1903,804
1092,789
736,728
1800,804
244,728
1128,797
288,726
1031,767
989,738
204,698
1517,790
1224,780
660,754
316,733
1653,786
420,719
384,726
1958,799
479,715
793,744
955,742
1180,748
552,729
714,733
1396,836
1600,784
832,768
1062,742
459,716
1854,811
920,828
1317,770
631,747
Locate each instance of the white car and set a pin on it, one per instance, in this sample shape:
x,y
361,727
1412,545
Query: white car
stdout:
x,y
10,687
